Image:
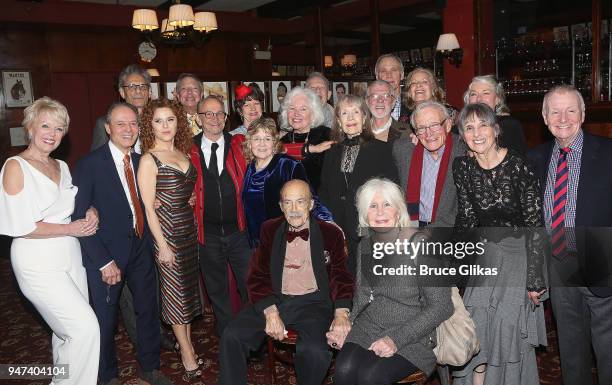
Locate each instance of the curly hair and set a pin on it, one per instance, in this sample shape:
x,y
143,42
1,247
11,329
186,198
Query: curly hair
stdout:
x,y
182,139
265,125
437,93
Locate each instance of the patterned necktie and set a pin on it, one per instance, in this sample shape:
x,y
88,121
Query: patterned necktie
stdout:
x,y
557,218
129,176
212,164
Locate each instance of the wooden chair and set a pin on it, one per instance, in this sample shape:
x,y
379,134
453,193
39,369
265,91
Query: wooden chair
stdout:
x,y
416,378
274,356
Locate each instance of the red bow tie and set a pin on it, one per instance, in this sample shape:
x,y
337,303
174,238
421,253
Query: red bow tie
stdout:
x,y
291,235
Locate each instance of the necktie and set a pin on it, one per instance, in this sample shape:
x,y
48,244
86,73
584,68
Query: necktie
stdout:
x,y
129,176
557,218
212,165
291,235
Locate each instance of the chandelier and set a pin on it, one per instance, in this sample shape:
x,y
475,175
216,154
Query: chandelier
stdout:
x,y
180,28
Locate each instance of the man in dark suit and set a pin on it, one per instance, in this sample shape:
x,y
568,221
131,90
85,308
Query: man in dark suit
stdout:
x,y
298,280
121,249
574,171
425,170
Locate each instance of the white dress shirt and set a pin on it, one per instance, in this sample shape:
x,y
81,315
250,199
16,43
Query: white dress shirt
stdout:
x,y
206,150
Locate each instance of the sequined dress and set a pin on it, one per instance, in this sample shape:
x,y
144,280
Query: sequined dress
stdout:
x,y
179,287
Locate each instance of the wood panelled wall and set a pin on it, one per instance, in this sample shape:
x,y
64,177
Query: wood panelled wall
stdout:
x,y
79,67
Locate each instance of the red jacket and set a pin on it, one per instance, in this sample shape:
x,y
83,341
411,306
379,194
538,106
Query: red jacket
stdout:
x,y
235,164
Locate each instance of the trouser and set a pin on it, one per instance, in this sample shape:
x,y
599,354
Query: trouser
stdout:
x,y
356,365
583,319
61,299
215,255
309,315
139,274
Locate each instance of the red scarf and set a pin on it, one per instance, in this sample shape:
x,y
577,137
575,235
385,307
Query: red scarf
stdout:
x,y
413,190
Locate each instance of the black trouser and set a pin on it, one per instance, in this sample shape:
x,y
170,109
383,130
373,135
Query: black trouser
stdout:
x,y
358,366
309,315
214,258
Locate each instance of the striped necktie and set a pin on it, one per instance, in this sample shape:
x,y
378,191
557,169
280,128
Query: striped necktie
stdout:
x,y
557,219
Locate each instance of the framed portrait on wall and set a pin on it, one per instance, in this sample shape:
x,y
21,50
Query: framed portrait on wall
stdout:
x,y
279,90
169,90
218,89
154,91
359,88
17,88
339,89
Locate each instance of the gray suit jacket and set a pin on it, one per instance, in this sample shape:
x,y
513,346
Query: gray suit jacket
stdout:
x,y
99,136
447,207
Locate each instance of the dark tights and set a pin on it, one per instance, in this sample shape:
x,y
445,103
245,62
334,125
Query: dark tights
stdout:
x,y
358,366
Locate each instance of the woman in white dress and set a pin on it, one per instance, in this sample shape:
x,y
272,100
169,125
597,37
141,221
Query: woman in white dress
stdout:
x,y
36,201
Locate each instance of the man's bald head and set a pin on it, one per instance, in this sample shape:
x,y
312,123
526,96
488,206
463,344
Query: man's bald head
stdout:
x,y
296,202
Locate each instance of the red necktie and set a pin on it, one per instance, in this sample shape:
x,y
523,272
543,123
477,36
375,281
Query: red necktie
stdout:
x,y
557,219
291,235
129,176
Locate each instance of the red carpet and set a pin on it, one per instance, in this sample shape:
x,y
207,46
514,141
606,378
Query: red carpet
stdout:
x,y
24,338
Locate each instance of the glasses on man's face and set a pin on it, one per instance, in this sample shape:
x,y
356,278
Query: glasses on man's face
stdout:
x,y
377,98
433,128
132,87
210,115
265,139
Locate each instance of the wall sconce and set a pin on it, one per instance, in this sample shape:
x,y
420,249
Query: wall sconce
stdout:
x,y
329,61
448,47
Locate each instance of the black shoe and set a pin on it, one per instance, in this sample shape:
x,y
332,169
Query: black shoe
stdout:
x,y
154,377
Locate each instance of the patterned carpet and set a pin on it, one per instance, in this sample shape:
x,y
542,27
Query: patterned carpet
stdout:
x,y
24,338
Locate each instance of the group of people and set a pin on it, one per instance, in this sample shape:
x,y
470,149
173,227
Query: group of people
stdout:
x,y
280,217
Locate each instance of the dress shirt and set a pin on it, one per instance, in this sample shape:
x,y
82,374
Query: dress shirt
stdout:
x,y
429,177
328,113
119,167
573,168
298,276
206,150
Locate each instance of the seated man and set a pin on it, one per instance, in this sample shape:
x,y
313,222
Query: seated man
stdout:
x,y
298,279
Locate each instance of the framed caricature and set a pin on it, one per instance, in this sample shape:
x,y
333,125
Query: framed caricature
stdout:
x,y
17,88
219,89
154,91
359,88
169,90
339,89
279,90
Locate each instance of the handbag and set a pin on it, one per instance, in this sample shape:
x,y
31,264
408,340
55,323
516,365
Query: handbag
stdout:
x,y
456,337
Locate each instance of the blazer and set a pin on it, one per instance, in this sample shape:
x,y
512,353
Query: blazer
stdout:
x,y
447,207
99,186
264,280
374,160
234,163
593,221
397,307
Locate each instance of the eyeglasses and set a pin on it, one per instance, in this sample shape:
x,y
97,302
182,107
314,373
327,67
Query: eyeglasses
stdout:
x,y
318,89
136,87
381,97
209,114
266,140
433,128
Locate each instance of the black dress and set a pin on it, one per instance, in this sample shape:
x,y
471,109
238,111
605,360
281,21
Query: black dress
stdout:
x,y
338,188
504,205
312,162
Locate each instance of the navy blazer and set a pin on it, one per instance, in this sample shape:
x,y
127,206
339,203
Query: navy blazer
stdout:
x,y
99,186
593,205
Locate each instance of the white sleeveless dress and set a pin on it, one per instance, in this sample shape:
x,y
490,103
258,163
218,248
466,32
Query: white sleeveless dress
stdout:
x,y
50,271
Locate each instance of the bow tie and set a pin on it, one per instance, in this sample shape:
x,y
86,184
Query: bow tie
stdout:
x,y
291,235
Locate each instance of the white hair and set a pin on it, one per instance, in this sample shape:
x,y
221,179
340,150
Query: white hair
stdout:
x,y
313,101
563,89
391,192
